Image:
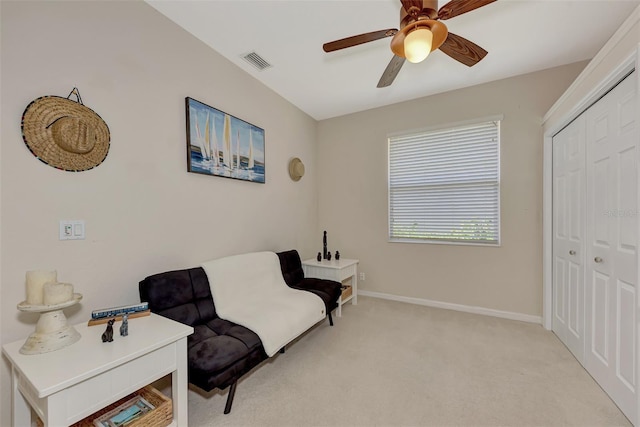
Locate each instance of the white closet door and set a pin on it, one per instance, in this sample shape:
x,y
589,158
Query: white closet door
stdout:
x,y
568,241
611,259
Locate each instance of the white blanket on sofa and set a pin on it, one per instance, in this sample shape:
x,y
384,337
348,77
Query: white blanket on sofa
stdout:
x,y
249,290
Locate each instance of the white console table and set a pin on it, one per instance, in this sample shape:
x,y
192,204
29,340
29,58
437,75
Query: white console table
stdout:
x,y
335,270
69,384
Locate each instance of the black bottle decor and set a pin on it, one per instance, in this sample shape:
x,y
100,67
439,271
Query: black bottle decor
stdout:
x,y
328,256
324,245
337,255
319,257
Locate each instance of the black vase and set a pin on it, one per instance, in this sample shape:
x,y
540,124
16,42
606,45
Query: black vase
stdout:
x,y
337,255
319,257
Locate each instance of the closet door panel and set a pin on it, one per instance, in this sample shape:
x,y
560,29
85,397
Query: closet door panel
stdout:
x,y
559,291
600,318
626,320
574,299
611,263
602,203
568,243
628,215
560,262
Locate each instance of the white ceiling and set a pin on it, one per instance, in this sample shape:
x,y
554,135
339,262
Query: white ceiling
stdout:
x,y
521,36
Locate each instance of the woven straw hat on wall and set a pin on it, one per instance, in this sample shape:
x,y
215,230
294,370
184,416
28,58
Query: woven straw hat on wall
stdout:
x,y
296,169
65,134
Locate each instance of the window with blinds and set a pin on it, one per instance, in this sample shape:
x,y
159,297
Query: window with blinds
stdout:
x,y
444,185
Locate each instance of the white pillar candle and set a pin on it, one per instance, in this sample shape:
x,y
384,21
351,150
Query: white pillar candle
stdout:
x,y
57,293
35,283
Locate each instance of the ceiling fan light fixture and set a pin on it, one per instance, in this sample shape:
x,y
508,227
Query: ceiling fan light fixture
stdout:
x,y
416,40
418,44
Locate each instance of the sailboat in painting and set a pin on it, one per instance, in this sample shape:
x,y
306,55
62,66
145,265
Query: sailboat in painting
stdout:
x,y
227,160
201,142
238,149
206,154
251,162
215,154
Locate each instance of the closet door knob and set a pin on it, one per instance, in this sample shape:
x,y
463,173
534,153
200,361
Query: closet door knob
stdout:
x,y
598,259
572,252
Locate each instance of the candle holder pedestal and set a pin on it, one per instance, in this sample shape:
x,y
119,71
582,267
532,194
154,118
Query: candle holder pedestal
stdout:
x,y
52,330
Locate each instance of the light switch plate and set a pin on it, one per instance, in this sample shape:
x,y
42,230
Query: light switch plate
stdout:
x,y
72,229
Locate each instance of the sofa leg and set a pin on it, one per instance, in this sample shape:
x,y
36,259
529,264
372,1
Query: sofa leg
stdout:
x,y
282,350
330,319
232,392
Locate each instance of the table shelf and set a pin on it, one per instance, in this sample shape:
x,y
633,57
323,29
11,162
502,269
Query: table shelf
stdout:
x,y
338,270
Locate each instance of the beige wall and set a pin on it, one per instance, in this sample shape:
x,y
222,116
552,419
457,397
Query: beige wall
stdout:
x,y
352,173
144,213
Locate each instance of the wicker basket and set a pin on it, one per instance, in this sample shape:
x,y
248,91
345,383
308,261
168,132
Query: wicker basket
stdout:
x,y
346,292
160,416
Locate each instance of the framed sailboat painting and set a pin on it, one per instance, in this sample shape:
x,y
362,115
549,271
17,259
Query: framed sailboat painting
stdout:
x,y
220,144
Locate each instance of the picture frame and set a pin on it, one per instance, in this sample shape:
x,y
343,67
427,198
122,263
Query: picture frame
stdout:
x,y
220,144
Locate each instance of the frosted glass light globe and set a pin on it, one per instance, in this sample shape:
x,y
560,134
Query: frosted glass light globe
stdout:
x,y
417,45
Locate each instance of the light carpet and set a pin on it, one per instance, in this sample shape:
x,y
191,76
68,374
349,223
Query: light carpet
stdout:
x,y
388,363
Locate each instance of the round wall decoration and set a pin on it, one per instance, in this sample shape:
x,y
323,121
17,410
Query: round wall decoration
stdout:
x,y
65,134
296,169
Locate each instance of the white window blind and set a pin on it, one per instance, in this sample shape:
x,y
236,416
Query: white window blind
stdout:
x,y
444,185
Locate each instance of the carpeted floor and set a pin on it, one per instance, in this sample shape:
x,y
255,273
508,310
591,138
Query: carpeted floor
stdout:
x,y
387,363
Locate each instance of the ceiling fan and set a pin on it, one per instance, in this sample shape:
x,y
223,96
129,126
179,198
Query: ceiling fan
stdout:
x,y
420,33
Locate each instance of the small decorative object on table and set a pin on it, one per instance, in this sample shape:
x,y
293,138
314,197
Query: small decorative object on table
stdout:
x,y
319,257
132,315
132,311
337,255
48,297
117,311
328,256
324,245
107,336
124,328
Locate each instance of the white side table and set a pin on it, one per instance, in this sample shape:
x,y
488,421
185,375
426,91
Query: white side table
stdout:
x,y
335,270
69,384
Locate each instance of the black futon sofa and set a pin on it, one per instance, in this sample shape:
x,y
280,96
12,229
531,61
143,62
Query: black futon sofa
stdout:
x,y
221,352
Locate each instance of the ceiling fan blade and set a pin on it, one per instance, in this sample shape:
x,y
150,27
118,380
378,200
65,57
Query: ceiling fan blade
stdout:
x,y
463,50
391,71
458,7
359,39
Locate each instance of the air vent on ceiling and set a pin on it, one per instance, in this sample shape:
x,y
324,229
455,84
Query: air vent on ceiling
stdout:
x,y
256,60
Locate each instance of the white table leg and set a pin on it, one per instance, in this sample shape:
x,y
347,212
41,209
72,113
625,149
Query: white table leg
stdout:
x,y
179,385
354,282
21,410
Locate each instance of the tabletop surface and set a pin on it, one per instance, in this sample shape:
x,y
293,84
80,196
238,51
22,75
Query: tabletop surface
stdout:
x,y
53,371
341,263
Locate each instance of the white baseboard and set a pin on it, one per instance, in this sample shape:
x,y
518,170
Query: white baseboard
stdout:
x,y
457,307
